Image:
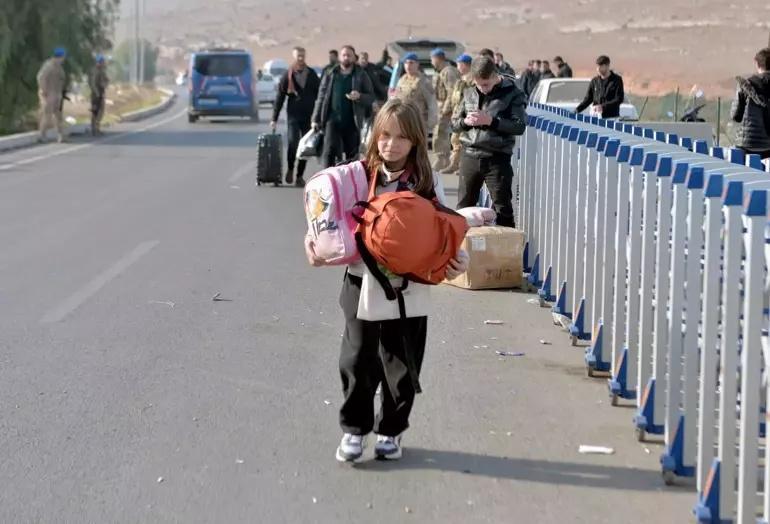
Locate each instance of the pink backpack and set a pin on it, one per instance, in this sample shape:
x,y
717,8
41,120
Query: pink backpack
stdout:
x,y
330,200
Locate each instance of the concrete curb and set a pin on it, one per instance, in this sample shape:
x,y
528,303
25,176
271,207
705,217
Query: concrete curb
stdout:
x,y
164,104
28,139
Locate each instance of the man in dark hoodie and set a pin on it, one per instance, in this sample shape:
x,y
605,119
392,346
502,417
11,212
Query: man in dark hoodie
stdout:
x,y
751,108
344,100
300,85
605,92
489,117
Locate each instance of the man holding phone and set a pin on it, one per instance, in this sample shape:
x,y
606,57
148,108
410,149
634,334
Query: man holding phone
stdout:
x,y
491,115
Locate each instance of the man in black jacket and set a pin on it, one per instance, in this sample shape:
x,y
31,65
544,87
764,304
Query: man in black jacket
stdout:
x,y
344,100
751,108
605,92
376,76
490,116
300,85
563,70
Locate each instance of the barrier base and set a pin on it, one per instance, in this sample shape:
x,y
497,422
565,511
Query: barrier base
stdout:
x,y
576,329
706,511
672,461
645,418
544,293
593,357
561,302
534,274
618,384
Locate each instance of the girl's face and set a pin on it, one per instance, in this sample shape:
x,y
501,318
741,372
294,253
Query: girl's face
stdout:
x,y
392,144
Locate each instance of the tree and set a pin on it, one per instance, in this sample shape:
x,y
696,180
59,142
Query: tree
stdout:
x,y
30,29
120,68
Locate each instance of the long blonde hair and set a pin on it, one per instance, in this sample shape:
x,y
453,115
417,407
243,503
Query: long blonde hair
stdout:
x,y
413,128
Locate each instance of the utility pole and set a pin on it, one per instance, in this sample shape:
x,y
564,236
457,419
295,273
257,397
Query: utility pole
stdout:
x,y
141,43
135,46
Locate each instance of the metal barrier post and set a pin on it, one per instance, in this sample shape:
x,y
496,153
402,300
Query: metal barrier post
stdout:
x,y
596,357
563,306
623,383
710,323
733,243
673,460
578,329
751,356
650,416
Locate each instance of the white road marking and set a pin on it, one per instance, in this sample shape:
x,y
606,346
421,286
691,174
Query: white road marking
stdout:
x,y
111,138
251,167
80,296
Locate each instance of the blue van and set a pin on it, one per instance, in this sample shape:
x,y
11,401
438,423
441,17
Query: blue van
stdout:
x,y
222,83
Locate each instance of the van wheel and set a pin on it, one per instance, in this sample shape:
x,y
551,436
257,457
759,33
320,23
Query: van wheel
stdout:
x,y
192,118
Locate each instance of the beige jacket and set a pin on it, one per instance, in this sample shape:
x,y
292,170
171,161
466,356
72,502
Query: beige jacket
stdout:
x,y
419,91
51,79
443,84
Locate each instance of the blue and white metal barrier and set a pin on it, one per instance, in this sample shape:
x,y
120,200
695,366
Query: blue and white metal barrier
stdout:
x,y
653,246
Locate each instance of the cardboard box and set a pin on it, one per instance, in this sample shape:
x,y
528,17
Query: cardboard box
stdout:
x,y
496,258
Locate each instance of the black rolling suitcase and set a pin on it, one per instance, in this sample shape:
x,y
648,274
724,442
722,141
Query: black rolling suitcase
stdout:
x,y
269,161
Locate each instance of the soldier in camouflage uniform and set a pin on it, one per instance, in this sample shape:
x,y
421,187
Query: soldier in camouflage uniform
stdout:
x,y
52,85
465,81
415,87
443,84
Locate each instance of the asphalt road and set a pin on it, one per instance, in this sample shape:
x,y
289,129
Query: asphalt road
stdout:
x,y
128,395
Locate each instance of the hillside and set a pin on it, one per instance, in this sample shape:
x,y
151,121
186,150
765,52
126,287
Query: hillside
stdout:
x,y
656,44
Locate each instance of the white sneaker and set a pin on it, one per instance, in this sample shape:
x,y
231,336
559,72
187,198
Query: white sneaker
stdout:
x,y
351,448
388,448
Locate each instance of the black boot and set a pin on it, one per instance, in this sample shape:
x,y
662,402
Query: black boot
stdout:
x,y
290,176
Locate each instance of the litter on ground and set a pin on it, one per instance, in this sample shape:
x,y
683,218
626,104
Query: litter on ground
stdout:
x,y
494,322
595,450
509,354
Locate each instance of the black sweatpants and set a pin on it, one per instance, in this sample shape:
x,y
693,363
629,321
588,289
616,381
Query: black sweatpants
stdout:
x,y
374,352
296,130
497,172
338,141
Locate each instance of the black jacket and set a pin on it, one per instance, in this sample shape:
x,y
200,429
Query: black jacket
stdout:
x,y
607,93
301,105
376,76
506,104
565,71
529,81
546,75
751,108
361,108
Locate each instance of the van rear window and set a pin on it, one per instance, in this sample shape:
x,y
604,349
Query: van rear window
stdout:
x,y
221,65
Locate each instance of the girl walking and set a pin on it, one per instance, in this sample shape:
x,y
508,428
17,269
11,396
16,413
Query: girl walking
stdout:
x,y
380,353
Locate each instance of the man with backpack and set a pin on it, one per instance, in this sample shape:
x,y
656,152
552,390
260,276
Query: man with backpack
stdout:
x,y
751,108
300,85
491,114
344,101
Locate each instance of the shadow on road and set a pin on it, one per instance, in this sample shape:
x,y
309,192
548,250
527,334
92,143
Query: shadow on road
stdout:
x,y
543,471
